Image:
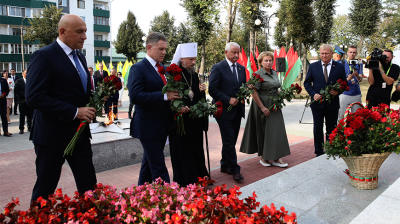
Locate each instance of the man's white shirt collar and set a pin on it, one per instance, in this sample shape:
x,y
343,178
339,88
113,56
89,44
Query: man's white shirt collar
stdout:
x,y
330,63
151,60
66,49
229,62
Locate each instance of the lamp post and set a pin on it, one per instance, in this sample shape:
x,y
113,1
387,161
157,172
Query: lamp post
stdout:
x,y
22,46
266,27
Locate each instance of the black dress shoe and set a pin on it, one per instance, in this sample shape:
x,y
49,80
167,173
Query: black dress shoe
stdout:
x,y
7,134
21,131
238,176
15,113
226,170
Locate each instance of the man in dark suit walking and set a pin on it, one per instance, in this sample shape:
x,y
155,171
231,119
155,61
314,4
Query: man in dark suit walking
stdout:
x,y
150,119
4,90
225,79
320,74
16,98
58,88
24,109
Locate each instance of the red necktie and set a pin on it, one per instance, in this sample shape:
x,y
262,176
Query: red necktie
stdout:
x,y
161,75
91,82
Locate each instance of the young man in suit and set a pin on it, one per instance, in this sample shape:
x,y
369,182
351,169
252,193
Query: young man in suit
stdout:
x,y
24,109
226,77
58,88
320,74
4,90
150,120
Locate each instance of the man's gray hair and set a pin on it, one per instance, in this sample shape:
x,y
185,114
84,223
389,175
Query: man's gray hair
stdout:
x,y
154,37
228,46
326,46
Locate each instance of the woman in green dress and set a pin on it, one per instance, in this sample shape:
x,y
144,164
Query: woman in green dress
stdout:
x,y
266,136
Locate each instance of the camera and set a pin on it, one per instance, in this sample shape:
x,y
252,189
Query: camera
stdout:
x,y
354,62
375,57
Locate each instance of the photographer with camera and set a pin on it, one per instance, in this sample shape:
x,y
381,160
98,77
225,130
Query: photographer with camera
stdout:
x,y
382,74
354,74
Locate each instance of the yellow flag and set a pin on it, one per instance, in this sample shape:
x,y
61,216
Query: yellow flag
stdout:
x,y
97,65
124,68
105,67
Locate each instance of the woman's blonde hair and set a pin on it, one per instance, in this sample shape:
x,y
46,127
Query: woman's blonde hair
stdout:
x,y
262,55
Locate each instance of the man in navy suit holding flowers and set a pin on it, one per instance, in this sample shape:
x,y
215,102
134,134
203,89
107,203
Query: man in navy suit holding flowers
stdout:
x,y
150,119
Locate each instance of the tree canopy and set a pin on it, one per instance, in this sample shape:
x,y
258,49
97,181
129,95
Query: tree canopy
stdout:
x,y
44,27
129,38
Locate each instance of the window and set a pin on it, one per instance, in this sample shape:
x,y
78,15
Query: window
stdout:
x,y
98,52
1,48
83,51
83,18
16,31
98,37
62,2
3,10
98,20
13,11
81,4
6,48
28,13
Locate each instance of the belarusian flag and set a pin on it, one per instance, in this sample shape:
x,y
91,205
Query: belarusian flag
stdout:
x,y
253,63
292,75
249,69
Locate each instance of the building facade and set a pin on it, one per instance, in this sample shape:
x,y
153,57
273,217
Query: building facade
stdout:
x,y
14,16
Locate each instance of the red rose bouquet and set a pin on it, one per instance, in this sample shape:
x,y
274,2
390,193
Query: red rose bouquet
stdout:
x,y
366,131
203,108
174,83
109,85
287,94
340,86
245,92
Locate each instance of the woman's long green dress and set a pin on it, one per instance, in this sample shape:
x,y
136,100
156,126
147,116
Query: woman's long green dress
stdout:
x,y
267,136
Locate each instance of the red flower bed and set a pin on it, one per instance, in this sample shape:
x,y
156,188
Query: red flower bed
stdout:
x,y
158,202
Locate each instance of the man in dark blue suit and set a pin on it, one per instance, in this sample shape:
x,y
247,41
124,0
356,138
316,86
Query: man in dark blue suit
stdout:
x,y
150,119
4,90
320,74
225,79
58,88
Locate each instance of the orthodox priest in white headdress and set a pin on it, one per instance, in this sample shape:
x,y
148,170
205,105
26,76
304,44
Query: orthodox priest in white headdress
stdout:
x,y
187,154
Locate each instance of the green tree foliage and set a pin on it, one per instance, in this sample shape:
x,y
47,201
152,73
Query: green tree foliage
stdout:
x,y
203,14
279,34
44,27
215,46
364,15
184,33
342,32
325,9
129,38
301,25
392,12
382,38
164,24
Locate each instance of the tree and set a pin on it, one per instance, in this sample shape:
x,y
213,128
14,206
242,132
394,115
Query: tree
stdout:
x,y
44,27
215,46
301,26
382,38
184,33
164,24
364,15
232,8
325,9
342,32
203,14
392,11
129,38
279,34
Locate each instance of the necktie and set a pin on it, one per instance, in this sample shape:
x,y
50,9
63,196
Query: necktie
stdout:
x,y
234,72
326,72
91,82
161,75
81,71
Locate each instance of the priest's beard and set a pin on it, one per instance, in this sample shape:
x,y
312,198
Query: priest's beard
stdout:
x,y
189,70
